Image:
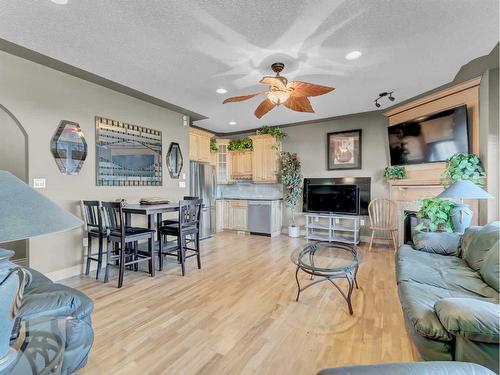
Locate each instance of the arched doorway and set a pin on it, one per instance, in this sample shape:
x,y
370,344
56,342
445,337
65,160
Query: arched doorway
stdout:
x,y
14,158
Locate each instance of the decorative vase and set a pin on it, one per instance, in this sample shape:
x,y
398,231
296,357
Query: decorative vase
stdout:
x,y
294,231
461,217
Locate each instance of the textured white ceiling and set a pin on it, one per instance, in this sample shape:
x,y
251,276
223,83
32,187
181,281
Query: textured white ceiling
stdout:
x,y
181,51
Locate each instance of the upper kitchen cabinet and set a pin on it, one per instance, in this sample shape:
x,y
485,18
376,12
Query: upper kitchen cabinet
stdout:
x,y
241,165
199,145
265,159
223,162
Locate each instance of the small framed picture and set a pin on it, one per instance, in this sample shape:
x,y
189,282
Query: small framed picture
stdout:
x,y
344,150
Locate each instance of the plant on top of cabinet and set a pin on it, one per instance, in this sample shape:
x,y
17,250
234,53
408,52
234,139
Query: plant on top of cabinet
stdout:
x,y
240,145
396,172
463,166
291,178
213,145
275,131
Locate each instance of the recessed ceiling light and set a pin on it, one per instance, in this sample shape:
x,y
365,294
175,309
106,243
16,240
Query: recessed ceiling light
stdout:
x,y
353,55
60,2
221,91
232,122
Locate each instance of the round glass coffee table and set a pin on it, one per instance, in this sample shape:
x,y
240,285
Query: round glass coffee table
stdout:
x,y
328,261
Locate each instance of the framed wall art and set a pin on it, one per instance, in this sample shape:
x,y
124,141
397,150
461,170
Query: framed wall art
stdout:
x,y
127,155
344,150
68,147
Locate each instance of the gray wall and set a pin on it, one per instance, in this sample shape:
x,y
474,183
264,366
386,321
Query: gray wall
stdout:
x,y
40,98
309,142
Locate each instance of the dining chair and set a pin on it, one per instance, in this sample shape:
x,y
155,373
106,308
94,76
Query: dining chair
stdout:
x,y
95,229
176,220
128,237
187,226
382,213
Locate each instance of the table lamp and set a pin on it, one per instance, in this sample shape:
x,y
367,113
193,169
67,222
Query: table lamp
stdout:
x,y
24,213
461,214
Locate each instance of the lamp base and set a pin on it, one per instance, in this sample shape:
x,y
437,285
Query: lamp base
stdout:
x,y
461,217
7,360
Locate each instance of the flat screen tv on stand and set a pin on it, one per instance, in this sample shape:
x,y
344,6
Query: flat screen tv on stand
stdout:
x,y
340,196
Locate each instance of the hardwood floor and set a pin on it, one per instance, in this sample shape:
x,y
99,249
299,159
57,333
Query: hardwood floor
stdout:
x,y
238,315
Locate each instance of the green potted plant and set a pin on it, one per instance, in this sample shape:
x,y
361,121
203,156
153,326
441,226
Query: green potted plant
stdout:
x,y
274,131
291,178
213,145
240,145
396,172
437,213
463,166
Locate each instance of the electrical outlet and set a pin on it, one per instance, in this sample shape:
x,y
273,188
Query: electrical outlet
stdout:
x,y
362,222
316,219
39,183
183,176
182,184
85,242
337,221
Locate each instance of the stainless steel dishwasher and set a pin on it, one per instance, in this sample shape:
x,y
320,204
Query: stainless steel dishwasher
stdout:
x,y
259,217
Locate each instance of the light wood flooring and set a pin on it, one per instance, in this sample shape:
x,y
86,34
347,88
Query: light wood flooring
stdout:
x,y
238,315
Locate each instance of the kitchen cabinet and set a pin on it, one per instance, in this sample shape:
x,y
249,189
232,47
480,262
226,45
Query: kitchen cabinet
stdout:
x,y
241,165
265,159
223,162
199,145
236,215
220,215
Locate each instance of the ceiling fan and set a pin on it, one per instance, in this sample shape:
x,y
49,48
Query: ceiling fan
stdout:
x,y
293,95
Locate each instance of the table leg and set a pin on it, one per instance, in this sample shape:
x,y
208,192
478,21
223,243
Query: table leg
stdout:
x,y
298,284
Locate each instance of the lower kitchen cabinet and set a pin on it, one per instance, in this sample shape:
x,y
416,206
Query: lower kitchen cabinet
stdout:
x,y
236,217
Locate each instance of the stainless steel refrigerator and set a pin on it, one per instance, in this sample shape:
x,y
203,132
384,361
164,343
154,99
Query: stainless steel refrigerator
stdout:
x,y
203,184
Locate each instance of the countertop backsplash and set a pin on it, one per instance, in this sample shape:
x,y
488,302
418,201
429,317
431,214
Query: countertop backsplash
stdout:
x,y
250,191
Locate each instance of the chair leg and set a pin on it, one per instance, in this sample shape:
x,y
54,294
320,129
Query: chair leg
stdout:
x,y
122,263
152,256
182,251
136,257
89,252
197,245
160,252
108,262
371,240
99,258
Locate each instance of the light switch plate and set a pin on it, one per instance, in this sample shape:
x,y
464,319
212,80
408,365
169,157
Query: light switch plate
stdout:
x,y
39,183
182,184
362,222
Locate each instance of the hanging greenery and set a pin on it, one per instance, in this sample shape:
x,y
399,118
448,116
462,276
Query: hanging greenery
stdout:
x,y
463,166
240,144
291,178
437,211
275,131
397,172
213,145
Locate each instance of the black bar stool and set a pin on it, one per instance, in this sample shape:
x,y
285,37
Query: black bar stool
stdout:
x,y
95,229
114,219
188,225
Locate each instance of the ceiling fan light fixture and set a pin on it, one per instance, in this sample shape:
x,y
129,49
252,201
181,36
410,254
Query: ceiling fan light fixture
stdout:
x,y
278,97
353,55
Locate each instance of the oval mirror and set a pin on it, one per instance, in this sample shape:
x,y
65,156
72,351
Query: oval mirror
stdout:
x,y
174,160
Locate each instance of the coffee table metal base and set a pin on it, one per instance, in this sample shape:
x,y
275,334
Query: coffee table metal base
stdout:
x,y
349,276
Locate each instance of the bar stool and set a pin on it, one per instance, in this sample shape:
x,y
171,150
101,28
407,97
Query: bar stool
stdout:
x,y
95,229
188,225
114,220
176,220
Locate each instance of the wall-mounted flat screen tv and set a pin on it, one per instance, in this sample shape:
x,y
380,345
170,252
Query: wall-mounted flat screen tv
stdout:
x,y
428,139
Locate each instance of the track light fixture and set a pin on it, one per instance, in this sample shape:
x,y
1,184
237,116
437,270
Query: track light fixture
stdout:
x,y
383,95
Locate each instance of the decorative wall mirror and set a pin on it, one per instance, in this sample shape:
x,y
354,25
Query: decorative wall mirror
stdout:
x,y
68,147
174,160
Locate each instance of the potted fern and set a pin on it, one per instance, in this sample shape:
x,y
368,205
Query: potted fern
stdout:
x,y
291,178
396,172
463,166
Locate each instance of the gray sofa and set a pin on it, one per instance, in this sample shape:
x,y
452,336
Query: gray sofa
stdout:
x,y
43,298
448,287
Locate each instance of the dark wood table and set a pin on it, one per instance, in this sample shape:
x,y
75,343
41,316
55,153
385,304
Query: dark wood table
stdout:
x,y
149,210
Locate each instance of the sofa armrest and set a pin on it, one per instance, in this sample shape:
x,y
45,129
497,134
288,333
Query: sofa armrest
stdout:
x,y
476,320
442,243
51,304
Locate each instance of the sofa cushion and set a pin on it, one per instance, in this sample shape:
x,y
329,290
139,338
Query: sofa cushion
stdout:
x,y
445,272
490,269
477,242
437,243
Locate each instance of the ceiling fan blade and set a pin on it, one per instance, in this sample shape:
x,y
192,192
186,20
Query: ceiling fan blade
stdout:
x,y
278,82
240,98
265,106
299,104
308,89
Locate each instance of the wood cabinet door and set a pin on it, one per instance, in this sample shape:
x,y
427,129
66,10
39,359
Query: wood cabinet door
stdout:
x,y
193,146
234,164
204,148
246,163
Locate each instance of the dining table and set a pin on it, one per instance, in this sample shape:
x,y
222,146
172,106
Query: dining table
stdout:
x,y
149,210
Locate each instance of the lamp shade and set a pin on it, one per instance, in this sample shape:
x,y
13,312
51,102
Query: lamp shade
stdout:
x,y
26,213
464,189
